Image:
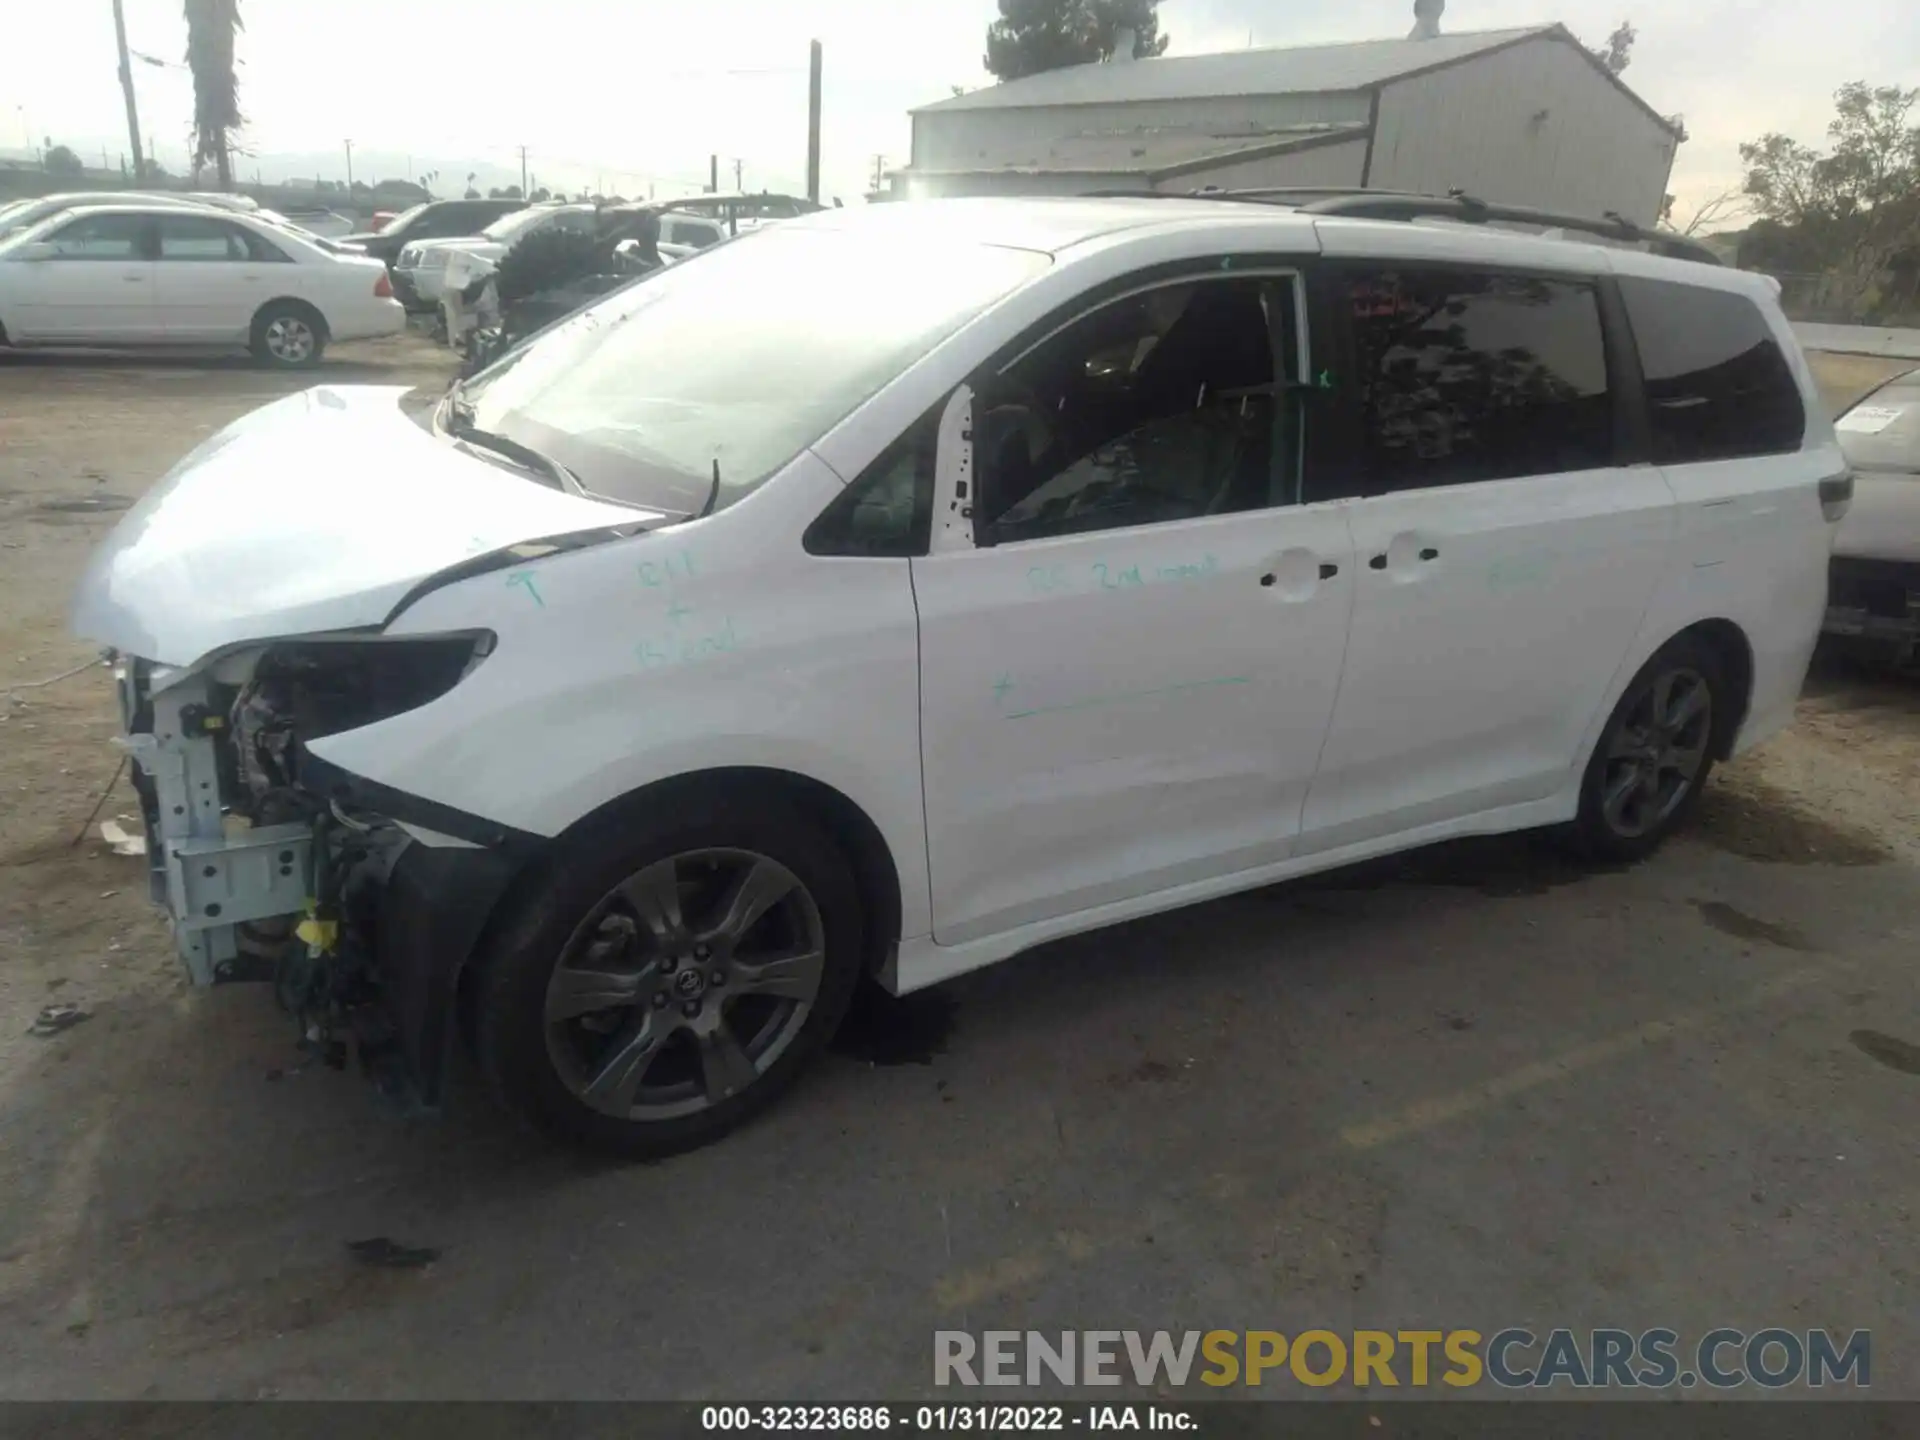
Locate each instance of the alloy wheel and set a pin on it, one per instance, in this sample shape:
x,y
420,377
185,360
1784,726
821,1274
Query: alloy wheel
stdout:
x,y
290,339
1657,752
685,984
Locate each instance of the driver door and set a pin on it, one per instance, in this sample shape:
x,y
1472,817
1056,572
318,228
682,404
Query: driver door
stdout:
x,y
1126,682
94,287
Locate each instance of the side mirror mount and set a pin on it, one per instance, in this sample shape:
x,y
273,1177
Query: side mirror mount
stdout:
x,y
954,497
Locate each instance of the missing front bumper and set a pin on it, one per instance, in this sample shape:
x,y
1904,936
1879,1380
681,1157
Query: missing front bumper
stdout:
x,y
394,920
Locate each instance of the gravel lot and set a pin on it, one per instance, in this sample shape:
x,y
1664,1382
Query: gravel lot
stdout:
x,y
1470,1088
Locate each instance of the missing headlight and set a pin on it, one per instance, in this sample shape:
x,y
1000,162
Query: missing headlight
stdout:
x,y
303,690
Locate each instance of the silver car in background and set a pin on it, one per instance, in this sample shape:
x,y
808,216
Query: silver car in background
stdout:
x,y
1874,587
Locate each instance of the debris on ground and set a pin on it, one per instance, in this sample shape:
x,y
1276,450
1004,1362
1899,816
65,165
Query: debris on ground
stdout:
x,y
53,1019
389,1255
123,841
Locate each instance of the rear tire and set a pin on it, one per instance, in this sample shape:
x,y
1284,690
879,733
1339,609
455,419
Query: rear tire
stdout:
x,y
1652,761
288,335
671,975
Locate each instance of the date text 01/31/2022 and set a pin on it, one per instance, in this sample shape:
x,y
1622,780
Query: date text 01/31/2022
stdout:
x,y
935,1419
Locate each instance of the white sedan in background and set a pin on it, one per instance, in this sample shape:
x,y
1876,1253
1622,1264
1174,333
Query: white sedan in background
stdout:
x,y
158,275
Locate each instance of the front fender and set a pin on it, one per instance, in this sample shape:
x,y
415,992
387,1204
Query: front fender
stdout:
x,y
719,644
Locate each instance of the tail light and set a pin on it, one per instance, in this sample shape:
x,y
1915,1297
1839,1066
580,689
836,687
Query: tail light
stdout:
x,y
383,288
1836,496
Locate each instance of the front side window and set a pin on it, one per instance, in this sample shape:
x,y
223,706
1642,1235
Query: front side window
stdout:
x,y
101,237
1465,377
1718,385
1178,402
735,364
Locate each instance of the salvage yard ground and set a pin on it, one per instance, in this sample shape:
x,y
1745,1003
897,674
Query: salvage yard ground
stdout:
x,y
1474,1087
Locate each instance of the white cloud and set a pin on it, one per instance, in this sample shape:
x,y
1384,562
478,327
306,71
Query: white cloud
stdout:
x,y
607,88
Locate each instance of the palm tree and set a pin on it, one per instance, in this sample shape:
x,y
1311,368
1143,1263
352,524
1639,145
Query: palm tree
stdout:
x,y
211,27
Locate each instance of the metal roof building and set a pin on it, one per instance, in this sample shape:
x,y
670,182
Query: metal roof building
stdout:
x,y
1525,117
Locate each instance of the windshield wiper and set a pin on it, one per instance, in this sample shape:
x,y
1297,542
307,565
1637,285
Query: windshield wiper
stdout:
x,y
460,425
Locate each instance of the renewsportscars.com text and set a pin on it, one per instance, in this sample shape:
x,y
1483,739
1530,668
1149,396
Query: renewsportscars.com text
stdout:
x,y
1512,1359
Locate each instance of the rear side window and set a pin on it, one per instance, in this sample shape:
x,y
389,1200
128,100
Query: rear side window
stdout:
x,y
1466,377
1718,385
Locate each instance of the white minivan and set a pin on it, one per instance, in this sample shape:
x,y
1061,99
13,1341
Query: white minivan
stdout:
x,y
885,593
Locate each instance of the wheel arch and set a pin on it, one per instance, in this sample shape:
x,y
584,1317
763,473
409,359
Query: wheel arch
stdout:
x,y
296,302
1734,650
875,868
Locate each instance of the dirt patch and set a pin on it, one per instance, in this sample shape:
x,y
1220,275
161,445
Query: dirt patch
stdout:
x,y
1748,815
1889,1050
1742,926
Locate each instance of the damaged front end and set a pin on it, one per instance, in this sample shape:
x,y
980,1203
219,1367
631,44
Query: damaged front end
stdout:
x,y
358,904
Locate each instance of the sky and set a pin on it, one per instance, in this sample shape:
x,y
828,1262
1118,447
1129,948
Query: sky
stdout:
x,y
618,95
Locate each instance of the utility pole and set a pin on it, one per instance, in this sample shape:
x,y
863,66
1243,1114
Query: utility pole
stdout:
x,y
524,191
739,184
349,167
813,124
713,175
126,88
879,172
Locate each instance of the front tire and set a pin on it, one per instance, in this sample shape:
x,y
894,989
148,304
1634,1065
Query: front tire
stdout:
x,y
288,336
1653,759
671,976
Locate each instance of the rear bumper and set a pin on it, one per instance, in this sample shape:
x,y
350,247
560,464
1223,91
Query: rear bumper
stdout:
x,y
377,318
418,291
1874,600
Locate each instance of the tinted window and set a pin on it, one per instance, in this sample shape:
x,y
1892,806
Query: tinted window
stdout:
x,y
1718,385
1468,377
1167,405
101,237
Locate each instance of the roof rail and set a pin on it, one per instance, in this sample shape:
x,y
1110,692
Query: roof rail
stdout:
x,y
1472,211
1364,204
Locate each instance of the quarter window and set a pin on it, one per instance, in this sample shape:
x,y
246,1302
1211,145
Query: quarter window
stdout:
x,y
1467,377
1172,404
888,510
1718,385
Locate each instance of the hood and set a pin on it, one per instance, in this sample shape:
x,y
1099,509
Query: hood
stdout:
x,y
319,512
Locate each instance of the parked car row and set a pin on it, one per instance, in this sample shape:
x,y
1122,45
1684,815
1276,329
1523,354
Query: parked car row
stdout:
x,y
432,271
163,268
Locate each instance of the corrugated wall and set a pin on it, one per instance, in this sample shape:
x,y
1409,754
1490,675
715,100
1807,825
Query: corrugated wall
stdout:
x,y
1331,165
1061,137
1531,125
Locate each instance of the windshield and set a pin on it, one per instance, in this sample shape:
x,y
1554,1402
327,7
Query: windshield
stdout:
x,y
406,217
21,214
509,227
741,357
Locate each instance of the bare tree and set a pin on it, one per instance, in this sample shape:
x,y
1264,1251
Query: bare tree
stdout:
x,y
1727,208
